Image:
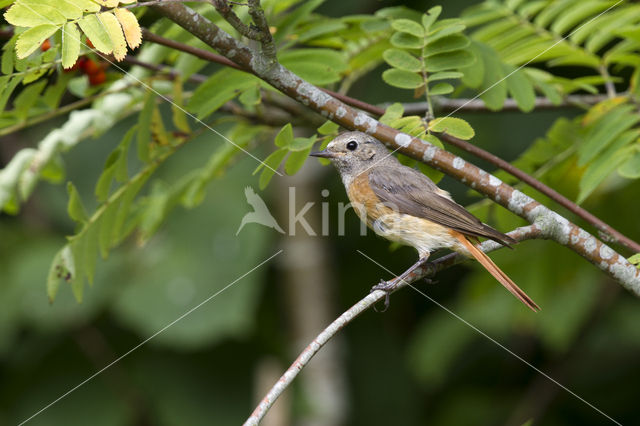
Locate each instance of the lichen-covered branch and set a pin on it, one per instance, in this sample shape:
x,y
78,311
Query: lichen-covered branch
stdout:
x,y
551,224
426,271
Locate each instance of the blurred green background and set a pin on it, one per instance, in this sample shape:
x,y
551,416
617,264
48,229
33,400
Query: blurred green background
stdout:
x,y
417,363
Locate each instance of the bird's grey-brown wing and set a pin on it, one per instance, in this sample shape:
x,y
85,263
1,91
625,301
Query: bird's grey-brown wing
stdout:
x,y
412,193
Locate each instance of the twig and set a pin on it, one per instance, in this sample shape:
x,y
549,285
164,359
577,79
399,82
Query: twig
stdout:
x,y
608,83
426,271
477,105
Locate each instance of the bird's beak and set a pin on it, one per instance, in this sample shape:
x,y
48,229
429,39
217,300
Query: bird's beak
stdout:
x,y
324,154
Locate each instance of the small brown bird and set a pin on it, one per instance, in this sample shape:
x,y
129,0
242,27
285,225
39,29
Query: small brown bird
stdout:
x,y
403,205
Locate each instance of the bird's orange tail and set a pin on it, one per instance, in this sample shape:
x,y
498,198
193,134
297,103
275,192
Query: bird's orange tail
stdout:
x,y
493,269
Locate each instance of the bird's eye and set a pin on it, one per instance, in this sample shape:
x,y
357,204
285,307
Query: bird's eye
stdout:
x,y
352,145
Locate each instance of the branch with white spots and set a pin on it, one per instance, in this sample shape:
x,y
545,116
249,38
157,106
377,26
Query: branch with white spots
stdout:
x,y
554,226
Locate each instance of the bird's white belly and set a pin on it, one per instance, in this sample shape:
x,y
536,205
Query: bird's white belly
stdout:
x,y
425,236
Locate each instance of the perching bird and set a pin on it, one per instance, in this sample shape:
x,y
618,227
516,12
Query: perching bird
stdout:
x,y
403,205
260,213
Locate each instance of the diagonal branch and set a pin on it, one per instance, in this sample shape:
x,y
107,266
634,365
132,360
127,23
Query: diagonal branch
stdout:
x,y
602,226
551,224
426,271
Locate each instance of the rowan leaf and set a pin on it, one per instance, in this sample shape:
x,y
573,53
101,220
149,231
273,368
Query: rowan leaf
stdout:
x,y
452,126
130,26
113,28
402,79
70,44
93,28
31,39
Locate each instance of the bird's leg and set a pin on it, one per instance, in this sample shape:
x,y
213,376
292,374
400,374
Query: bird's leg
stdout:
x,y
389,286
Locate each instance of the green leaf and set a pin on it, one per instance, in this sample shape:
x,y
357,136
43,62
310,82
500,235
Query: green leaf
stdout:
x,y
328,128
144,127
402,59
402,79
8,56
318,66
605,130
635,259
440,89
446,31
70,44
408,26
31,39
430,17
32,14
453,126
62,268
97,33
220,88
284,136
630,169
406,41
599,170
273,161
521,90
449,60
74,207
392,113
28,98
302,144
104,181
296,160
445,75
121,167
447,44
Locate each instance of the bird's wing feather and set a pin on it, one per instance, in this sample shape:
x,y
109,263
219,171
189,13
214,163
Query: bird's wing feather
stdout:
x,y
412,193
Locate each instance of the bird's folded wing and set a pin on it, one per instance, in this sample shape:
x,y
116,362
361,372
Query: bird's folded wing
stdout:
x,y
410,192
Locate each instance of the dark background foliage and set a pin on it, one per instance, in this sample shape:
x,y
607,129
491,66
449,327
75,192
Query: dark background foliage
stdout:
x,y
417,363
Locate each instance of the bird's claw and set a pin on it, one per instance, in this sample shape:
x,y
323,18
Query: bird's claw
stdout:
x,y
387,287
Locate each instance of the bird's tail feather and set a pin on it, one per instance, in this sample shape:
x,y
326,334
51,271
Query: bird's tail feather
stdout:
x,y
493,269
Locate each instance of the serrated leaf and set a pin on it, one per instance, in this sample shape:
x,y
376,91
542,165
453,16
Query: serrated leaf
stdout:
x,y
90,251
630,169
406,41
70,44
599,170
108,3
105,234
104,181
23,14
408,26
440,89
402,79
296,160
8,56
93,28
446,31
62,268
31,39
130,26
449,61
75,209
121,172
113,28
88,6
402,59
284,136
453,126
328,128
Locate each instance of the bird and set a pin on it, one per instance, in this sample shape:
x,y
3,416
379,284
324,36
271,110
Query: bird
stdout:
x,y
403,205
260,214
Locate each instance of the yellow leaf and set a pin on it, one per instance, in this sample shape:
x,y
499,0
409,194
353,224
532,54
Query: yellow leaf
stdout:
x,y
112,26
70,44
31,39
130,26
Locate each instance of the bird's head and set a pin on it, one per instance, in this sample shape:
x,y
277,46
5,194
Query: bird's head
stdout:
x,y
355,152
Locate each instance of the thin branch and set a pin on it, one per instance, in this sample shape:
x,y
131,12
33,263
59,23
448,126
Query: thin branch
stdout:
x,y
553,225
443,104
266,39
426,271
223,8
